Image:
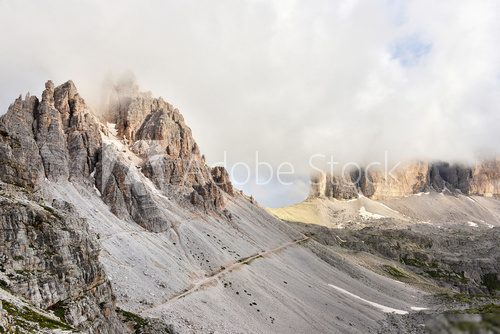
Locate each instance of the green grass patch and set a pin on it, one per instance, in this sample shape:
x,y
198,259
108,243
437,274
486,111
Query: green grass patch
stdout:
x,y
490,319
484,309
491,281
458,297
466,298
4,285
410,261
395,272
137,321
445,274
59,310
23,272
25,315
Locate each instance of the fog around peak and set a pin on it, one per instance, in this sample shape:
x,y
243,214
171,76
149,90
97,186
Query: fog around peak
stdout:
x,y
278,80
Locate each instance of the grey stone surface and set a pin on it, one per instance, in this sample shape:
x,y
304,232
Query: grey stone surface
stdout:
x,y
49,257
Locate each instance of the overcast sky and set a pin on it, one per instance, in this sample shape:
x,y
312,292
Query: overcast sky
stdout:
x,y
419,79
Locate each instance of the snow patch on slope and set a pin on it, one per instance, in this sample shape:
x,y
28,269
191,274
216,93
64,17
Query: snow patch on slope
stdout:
x,y
383,308
112,128
415,308
367,215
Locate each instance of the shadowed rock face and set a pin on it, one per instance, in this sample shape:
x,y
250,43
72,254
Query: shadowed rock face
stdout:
x,y
481,179
453,177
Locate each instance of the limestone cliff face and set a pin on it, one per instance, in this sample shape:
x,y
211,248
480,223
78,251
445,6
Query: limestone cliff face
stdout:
x,y
374,183
57,138
47,254
21,161
49,257
66,133
485,178
412,178
409,179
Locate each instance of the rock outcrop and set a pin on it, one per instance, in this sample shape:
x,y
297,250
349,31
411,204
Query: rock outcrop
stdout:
x,y
221,178
21,163
164,151
485,178
334,186
122,187
404,181
57,138
49,257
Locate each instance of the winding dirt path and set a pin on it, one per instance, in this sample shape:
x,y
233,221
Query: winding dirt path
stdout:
x,y
217,274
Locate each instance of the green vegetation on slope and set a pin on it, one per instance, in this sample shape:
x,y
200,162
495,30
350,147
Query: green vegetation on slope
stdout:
x,y
30,320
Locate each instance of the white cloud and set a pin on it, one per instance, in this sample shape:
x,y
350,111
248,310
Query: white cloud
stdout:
x,y
287,78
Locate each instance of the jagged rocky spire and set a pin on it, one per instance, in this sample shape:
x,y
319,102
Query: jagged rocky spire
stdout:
x,y
56,137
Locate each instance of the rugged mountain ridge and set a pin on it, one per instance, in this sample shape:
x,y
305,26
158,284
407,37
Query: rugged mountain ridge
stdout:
x,y
48,254
482,179
164,151
108,222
